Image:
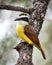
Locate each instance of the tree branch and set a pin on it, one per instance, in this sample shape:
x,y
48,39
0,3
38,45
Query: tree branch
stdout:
x,y
37,16
13,8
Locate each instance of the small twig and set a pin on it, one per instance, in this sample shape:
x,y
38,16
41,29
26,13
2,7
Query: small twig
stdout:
x,y
13,8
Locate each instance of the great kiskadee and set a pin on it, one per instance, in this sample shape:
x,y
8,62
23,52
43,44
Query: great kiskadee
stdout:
x,y
26,33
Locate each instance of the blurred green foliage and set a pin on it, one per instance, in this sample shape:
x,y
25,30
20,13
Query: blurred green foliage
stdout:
x,y
26,3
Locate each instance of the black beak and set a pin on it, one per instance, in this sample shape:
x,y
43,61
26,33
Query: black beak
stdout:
x,y
18,19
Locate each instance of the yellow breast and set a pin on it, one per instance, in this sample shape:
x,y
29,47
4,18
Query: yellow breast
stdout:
x,y
19,29
21,34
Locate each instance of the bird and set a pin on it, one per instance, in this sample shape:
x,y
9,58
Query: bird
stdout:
x,y
26,32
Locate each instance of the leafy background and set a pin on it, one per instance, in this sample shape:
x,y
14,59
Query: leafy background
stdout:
x,y
9,39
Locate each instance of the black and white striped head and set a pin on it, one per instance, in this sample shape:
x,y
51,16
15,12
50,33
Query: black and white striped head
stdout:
x,y
22,20
22,17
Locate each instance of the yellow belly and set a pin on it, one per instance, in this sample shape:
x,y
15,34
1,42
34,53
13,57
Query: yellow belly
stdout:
x,y
20,32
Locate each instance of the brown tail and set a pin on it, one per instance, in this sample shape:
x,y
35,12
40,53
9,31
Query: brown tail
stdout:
x,y
43,54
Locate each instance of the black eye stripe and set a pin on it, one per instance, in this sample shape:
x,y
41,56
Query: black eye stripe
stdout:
x,y
23,18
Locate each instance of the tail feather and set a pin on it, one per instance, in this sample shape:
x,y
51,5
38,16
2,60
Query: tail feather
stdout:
x,y
43,54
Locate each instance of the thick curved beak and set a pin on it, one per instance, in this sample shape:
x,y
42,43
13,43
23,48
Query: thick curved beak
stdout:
x,y
17,19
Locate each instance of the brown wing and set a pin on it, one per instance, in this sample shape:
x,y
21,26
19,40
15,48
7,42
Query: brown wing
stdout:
x,y
29,31
31,34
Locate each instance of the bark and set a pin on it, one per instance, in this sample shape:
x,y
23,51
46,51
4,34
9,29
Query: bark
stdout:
x,y
25,54
37,16
13,8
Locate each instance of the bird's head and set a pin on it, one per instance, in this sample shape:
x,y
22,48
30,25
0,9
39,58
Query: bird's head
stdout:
x,y
22,19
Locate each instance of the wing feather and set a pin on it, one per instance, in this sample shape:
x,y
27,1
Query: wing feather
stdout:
x,y
29,31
